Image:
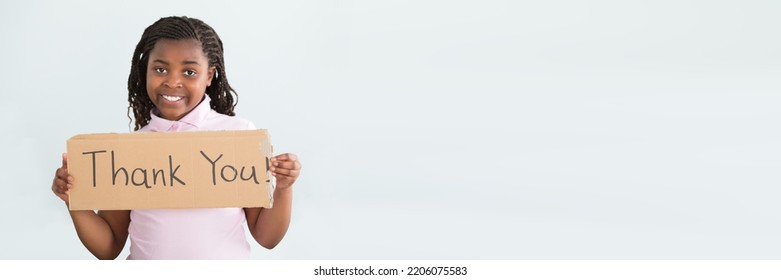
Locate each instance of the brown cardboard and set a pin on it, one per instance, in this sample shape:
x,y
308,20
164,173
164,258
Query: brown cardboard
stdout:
x,y
153,170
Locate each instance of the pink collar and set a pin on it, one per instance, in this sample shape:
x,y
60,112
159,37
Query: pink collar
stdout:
x,y
193,118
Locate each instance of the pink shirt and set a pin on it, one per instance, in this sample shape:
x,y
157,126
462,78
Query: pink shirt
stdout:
x,y
210,233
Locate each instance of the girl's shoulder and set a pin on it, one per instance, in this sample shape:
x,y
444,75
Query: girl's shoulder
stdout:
x,y
219,121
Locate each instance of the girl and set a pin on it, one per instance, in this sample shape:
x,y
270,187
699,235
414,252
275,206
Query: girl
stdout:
x,y
177,83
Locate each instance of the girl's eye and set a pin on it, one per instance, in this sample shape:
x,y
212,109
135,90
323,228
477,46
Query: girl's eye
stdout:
x,y
189,73
160,70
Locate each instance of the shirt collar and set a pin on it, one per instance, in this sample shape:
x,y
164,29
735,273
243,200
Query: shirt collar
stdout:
x,y
194,118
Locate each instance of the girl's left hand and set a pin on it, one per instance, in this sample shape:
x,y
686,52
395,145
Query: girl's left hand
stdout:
x,y
285,168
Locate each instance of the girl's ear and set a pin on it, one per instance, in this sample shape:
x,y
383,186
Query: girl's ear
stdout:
x,y
211,75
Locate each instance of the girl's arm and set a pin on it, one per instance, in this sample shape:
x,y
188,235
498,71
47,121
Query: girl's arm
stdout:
x,y
105,233
269,225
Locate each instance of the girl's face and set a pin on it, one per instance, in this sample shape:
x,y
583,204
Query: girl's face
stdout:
x,y
177,76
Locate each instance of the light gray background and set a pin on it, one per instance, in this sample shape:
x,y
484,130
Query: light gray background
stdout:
x,y
442,129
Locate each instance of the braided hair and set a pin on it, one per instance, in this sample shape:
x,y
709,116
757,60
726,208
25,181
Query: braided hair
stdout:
x,y
223,97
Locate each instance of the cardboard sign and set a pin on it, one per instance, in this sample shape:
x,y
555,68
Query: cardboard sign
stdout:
x,y
153,170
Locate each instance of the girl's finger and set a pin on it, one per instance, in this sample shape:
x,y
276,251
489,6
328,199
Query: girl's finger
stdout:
x,y
297,165
291,174
287,172
59,183
59,189
286,164
282,171
61,172
286,157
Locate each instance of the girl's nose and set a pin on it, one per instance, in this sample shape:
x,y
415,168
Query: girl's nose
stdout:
x,y
173,83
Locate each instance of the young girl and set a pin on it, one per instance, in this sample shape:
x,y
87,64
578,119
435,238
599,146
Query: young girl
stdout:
x,y
177,83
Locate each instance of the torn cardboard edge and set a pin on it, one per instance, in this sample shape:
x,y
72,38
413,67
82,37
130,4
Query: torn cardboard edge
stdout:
x,y
170,170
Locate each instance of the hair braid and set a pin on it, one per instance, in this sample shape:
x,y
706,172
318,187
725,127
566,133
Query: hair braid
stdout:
x,y
223,97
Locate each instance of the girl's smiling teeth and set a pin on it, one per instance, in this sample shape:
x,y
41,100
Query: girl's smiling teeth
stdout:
x,y
171,98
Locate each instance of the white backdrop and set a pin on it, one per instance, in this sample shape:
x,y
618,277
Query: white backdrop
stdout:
x,y
557,129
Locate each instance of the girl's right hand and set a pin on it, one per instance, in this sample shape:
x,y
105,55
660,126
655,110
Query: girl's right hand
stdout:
x,y
62,180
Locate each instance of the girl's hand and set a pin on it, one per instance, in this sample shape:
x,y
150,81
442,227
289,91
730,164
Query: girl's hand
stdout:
x,y
62,180
285,168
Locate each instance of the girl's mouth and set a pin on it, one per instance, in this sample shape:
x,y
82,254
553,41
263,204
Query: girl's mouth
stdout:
x,y
171,98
